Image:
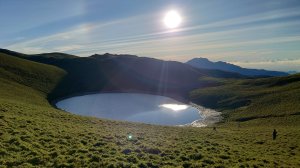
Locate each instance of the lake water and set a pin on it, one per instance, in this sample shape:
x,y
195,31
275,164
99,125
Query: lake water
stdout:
x,y
145,108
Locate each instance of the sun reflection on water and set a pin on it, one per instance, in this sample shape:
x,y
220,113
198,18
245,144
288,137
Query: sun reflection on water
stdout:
x,y
175,107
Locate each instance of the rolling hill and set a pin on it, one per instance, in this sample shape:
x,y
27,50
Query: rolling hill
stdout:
x,y
204,63
126,73
35,134
248,99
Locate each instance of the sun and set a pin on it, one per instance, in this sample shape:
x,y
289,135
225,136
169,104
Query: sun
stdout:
x,y
172,19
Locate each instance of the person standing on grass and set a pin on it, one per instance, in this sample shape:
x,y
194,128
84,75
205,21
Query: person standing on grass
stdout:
x,y
274,134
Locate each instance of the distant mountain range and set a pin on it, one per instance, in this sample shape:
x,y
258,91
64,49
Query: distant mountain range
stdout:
x,y
204,63
292,72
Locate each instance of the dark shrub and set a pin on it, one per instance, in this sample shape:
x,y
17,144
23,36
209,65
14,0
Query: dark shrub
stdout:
x,y
186,165
152,151
126,151
196,156
132,159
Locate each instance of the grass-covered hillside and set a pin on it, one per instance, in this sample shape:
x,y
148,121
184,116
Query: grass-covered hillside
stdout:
x,y
24,80
124,73
34,134
276,98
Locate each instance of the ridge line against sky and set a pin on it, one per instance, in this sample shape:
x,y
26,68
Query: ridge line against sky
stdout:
x,y
250,33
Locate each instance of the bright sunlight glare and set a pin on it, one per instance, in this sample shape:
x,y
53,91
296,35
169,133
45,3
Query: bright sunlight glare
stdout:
x,y
175,107
172,19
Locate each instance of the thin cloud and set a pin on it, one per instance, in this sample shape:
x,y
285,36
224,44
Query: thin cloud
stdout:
x,y
212,39
282,65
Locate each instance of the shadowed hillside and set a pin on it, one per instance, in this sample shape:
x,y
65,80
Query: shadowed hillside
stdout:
x,y
126,73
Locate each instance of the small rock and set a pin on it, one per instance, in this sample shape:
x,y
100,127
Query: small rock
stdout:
x,y
126,151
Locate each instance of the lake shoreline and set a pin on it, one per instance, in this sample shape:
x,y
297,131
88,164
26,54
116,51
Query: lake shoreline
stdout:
x,y
210,116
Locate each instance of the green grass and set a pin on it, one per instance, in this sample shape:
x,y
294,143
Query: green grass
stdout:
x,y
242,100
38,76
34,134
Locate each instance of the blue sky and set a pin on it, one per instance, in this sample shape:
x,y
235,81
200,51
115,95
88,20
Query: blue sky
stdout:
x,y
251,33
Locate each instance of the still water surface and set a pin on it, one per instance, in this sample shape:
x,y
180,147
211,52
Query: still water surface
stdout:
x,y
136,107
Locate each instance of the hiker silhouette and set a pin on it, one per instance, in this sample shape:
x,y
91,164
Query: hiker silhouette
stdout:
x,y
274,134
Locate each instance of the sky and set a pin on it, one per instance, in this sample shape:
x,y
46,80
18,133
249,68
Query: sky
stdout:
x,y
261,34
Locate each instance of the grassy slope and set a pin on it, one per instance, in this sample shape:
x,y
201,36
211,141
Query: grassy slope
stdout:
x,y
32,133
244,100
35,75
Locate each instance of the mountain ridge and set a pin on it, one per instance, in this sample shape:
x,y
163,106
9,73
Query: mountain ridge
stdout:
x,y
111,72
204,63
